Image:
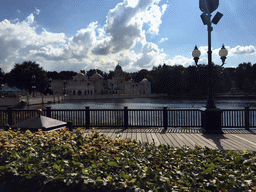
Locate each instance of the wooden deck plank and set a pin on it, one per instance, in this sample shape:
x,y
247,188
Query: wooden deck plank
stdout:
x,y
129,133
227,142
107,132
178,139
247,143
111,133
195,140
149,137
239,142
232,140
138,135
143,136
156,141
192,143
122,133
198,138
249,137
161,138
133,134
172,139
184,140
219,141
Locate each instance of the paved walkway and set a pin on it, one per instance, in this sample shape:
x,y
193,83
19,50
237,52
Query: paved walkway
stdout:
x,y
231,139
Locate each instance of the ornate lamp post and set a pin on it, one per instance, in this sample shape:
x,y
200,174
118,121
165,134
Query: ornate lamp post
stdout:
x,y
211,116
33,84
64,83
112,84
223,53
133,88
50,82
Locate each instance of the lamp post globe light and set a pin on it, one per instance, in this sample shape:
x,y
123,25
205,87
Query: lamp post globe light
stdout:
x,y
211,116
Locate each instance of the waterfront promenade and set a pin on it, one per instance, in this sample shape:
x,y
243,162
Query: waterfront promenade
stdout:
x,y
236,140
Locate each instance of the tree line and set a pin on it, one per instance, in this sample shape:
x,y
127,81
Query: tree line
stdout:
x,y
172,80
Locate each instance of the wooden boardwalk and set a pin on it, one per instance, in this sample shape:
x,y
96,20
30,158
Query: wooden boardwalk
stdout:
x,y
236,140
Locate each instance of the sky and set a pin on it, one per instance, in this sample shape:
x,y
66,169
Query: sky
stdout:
x,y
74,35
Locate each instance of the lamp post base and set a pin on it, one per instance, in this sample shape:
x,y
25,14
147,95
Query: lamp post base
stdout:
x,y
211,121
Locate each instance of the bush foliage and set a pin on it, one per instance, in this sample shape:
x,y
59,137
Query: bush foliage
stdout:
x,y
65,161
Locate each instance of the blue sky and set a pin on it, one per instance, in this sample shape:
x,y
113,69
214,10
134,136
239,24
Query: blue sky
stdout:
x,y
138,34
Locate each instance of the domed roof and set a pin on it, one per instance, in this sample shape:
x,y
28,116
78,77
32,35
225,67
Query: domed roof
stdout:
x,y
118,67
80,74
144,80
131,80
97,76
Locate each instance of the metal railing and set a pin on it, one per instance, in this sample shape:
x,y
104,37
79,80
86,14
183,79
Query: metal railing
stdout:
x,y
230,118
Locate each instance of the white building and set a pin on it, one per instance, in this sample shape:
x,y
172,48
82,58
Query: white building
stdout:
x,y
82,85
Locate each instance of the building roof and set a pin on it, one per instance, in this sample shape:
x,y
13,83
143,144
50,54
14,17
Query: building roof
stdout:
x,y
118,67
131,80
97,76
80,74
144,80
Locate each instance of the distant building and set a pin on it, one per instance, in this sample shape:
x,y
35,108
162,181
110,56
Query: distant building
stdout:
x,y
82,85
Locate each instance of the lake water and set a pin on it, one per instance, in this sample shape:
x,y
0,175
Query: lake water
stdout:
x,y
148,103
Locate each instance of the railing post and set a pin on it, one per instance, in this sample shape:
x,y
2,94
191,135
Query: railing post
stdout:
x,y
246,118
125,117
165,117
9,112
87,117
69,125
48,112
42,98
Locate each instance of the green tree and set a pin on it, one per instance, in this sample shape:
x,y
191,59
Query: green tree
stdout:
x,y
248,86
2,77
21,77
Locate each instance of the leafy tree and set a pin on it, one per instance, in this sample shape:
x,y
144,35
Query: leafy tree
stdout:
x,y
168,80
64,75
243,71
52,74
141,75
110,75
21,77
196,80
2,77
248,86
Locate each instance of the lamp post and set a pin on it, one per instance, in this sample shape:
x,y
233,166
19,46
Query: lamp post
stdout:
x,y
50,83
223,53
64,83
112,84
211,116
33,84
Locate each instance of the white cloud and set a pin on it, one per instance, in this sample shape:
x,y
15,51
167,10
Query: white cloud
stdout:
x,y
18,10
37,11
180,60
163,39
240,50
91,47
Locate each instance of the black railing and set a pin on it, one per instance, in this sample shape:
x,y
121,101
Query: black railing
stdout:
x,y
231,118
